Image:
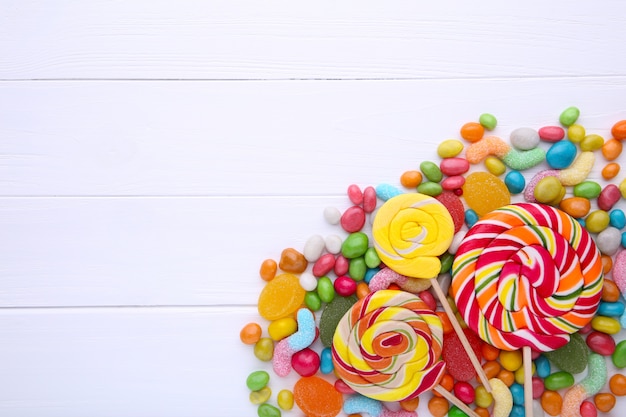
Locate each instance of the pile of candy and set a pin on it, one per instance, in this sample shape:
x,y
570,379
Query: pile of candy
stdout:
x,y
352,317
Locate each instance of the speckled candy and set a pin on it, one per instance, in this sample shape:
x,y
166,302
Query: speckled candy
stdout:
x,y
317,398
455,208
484,192
457,360
332,314
572,357
280,297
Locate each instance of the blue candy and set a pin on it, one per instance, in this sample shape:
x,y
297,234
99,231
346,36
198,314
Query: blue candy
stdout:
x,y
386,191
360,404
515,182
370,273
617,218
561,154
610,309
542,366
517,391
471,217
518,411
326,361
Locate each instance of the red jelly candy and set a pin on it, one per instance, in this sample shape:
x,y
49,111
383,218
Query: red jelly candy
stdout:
x,y
457,361
317,398
454,206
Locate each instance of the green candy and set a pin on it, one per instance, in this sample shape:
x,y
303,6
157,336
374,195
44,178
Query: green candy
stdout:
x,y
455,411
446,262
572,357
267,410
569,116
312,301
357,268
332,314
488,121
587,189
355,245
431,171
619,355
372,260
257,380
521,160
559,380
430,188
325,289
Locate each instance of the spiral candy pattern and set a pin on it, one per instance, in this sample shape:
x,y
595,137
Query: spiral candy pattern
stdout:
x,y
527,275
410,231
388,346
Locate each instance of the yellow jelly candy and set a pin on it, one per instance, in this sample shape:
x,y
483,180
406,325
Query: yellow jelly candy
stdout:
x,y
484,192
281,297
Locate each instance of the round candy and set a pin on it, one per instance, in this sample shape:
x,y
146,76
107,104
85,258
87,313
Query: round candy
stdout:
x,y
387,347
410,231
527,275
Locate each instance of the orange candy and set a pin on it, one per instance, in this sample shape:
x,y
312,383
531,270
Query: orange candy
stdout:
x,y
617,384
492,369
445,321
484,192
490,353
268,269
551,402
611,149
610,170
607,264
362,289
446,382
438,406
507,377
292,261
576,207
411,179
250,333
610,291
472,131
317,397
619,130
604,401
410,405
281,297
482,412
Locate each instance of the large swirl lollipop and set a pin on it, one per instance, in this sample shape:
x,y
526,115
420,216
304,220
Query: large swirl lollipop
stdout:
x,y
527,276
410,232
388,347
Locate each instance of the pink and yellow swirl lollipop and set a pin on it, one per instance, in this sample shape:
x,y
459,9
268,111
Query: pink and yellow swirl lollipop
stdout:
x,y
527,275
388,346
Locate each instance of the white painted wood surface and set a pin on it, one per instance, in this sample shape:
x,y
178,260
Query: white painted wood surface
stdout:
x,y
152,154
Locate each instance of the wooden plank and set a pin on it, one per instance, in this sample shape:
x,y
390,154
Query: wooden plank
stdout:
x,y
279,39
260,138
148,251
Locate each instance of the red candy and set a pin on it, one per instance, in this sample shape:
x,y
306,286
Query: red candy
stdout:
x,y
588,409
341,265
455,206
324,265
601,343
345,286
608,197
538,387
453,183
305,362
464,391
353,219
453,353
369,199
343,388
428,298
551,133
454,166
355,194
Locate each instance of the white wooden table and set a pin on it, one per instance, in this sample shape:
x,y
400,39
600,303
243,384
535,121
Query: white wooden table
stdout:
x,y
153,153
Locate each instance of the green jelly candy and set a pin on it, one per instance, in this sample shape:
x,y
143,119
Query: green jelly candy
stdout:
x,y
572,357
431,171
357,268
257,380
455,411
355,245
332,314
267,410
587,189
619,355
569,116
372,260
325,289
488,121
430,188
446,262
521,160
312,301
559,380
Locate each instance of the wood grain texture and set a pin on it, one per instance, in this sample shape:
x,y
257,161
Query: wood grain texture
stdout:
x,y
280,39
260,138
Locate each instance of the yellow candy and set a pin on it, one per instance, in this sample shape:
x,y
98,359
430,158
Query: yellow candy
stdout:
x,y
591,143
482,397
410,232
597,221
281,328
502,397
484,192
495,166
607,325
519,374
622,188
281,297
576,133
260,396
449,148
579,170
511,360
285,399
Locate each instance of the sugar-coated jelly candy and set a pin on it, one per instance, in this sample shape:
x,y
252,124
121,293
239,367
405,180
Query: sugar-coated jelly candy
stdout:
x,y
457,360
280,297
332,314
316,397
572,357
484,192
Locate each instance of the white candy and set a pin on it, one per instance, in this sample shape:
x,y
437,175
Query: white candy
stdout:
x,y
333,244
456,241
609,240
313,248
525,138
332,215
307,281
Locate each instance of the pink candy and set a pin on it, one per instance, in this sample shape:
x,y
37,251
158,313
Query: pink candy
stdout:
x,y
353,219
551,133
454,166
324,265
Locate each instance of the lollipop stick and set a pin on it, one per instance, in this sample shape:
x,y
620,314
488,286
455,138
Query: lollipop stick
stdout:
x,y
459,331
528,380
454,400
